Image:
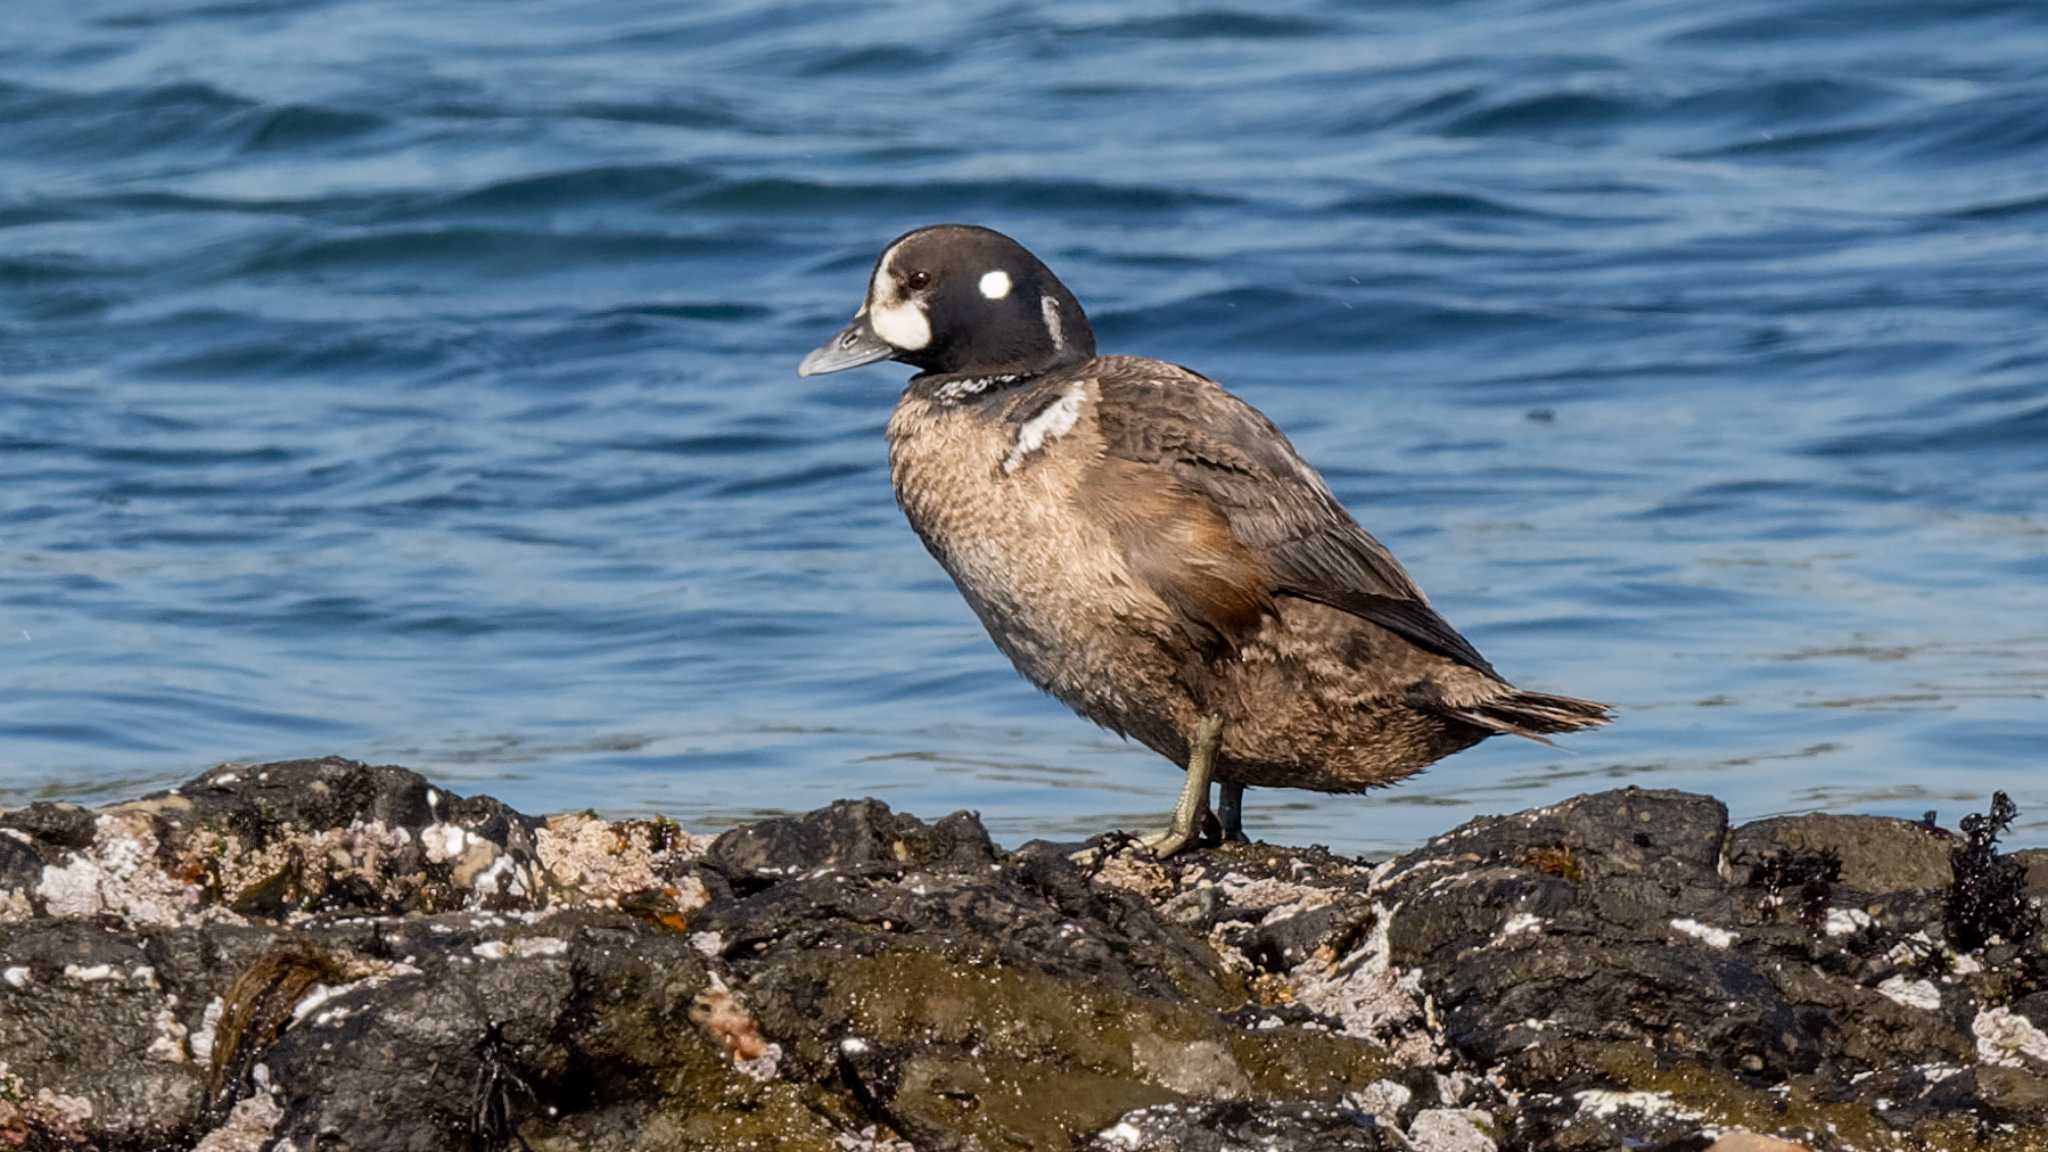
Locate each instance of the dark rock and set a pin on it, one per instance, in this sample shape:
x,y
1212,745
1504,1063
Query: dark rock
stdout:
x,y
342,957
1875,853
1226,1127
21,866
850,833
2036,862
58,825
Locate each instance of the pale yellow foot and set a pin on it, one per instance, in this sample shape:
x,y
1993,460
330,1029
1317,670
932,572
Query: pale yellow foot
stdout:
x,y
1186,825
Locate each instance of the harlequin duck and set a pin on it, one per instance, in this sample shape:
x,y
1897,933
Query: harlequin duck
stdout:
x,y
1151,550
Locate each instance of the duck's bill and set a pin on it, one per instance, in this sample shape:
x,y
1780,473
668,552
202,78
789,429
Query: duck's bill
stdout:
x,y
855,346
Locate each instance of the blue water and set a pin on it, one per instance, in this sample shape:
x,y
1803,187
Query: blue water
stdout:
x,y
414,381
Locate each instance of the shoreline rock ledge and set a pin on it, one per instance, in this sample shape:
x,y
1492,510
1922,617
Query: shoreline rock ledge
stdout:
x,y
325,955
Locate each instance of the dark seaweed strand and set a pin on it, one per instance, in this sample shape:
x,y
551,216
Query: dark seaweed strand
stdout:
x,y
1988,900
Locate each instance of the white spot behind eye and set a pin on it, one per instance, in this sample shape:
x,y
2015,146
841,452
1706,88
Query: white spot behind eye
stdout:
x,y
995,285
1050,309
1055,421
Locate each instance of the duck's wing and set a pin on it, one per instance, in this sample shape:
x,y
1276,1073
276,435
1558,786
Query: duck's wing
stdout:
x,y
1219,514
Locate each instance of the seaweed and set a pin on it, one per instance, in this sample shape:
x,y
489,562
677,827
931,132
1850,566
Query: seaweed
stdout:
x,y
495,1092
257,1009
1812,875
1555,860
1988,900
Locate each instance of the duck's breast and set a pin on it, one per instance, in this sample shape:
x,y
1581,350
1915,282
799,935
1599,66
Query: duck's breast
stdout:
x,y
995,489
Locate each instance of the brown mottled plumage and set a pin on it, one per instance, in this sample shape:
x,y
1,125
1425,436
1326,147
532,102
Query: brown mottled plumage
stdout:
x,y
1150,549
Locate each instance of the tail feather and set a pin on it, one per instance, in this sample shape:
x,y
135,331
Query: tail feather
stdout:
x,y
1534,714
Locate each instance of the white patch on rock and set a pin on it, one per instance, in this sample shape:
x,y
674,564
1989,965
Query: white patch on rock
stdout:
x,y
1522,922
15,906
1123,1135
248,1127
1373,999
169,1043
319,996
504,878
1921,994
531,946
994,285
443,842
1383,1101
1711,936
525,948
71,891
315,997
98,973
1280,898
1190,1068
596,861
1050,309
1602,1103
708,944
66,1110
2005,1037
1846,921
1055,421
761,1068
201,1041
1451,1130
16,977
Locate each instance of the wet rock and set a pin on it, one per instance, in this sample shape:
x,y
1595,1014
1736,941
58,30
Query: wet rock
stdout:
x,y
1452,1130
1875,854
1625,969
1225,1127
2036,862
327,954
849,834
1751,1142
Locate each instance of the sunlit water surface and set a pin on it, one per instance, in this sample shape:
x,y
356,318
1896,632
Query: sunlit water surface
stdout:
x,y
414,381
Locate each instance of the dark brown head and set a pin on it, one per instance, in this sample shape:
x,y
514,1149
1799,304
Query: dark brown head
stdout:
x,y
957,299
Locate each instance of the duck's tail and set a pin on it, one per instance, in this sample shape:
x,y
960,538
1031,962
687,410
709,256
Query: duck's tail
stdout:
x,y
1535,715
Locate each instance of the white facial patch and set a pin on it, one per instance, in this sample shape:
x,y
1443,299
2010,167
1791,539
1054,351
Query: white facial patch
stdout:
x,y
899,322
995,285
1050,309
1055,421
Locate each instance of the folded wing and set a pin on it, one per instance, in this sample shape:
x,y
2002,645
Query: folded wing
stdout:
x,y
1217,513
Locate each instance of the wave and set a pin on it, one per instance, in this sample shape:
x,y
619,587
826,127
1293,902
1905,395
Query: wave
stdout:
x,y
789,195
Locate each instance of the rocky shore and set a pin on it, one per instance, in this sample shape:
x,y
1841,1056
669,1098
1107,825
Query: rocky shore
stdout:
x,y
326,955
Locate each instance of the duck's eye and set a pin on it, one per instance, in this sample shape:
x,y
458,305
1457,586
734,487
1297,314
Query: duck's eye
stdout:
x,y
918,281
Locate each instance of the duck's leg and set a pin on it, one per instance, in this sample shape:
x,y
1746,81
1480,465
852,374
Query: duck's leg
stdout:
x,y
1194,795
1230,810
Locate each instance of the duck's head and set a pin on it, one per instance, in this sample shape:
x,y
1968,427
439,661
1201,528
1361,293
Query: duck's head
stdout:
x,y
957,299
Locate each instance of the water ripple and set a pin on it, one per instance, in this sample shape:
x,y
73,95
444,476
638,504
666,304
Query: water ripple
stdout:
x,y
415,382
